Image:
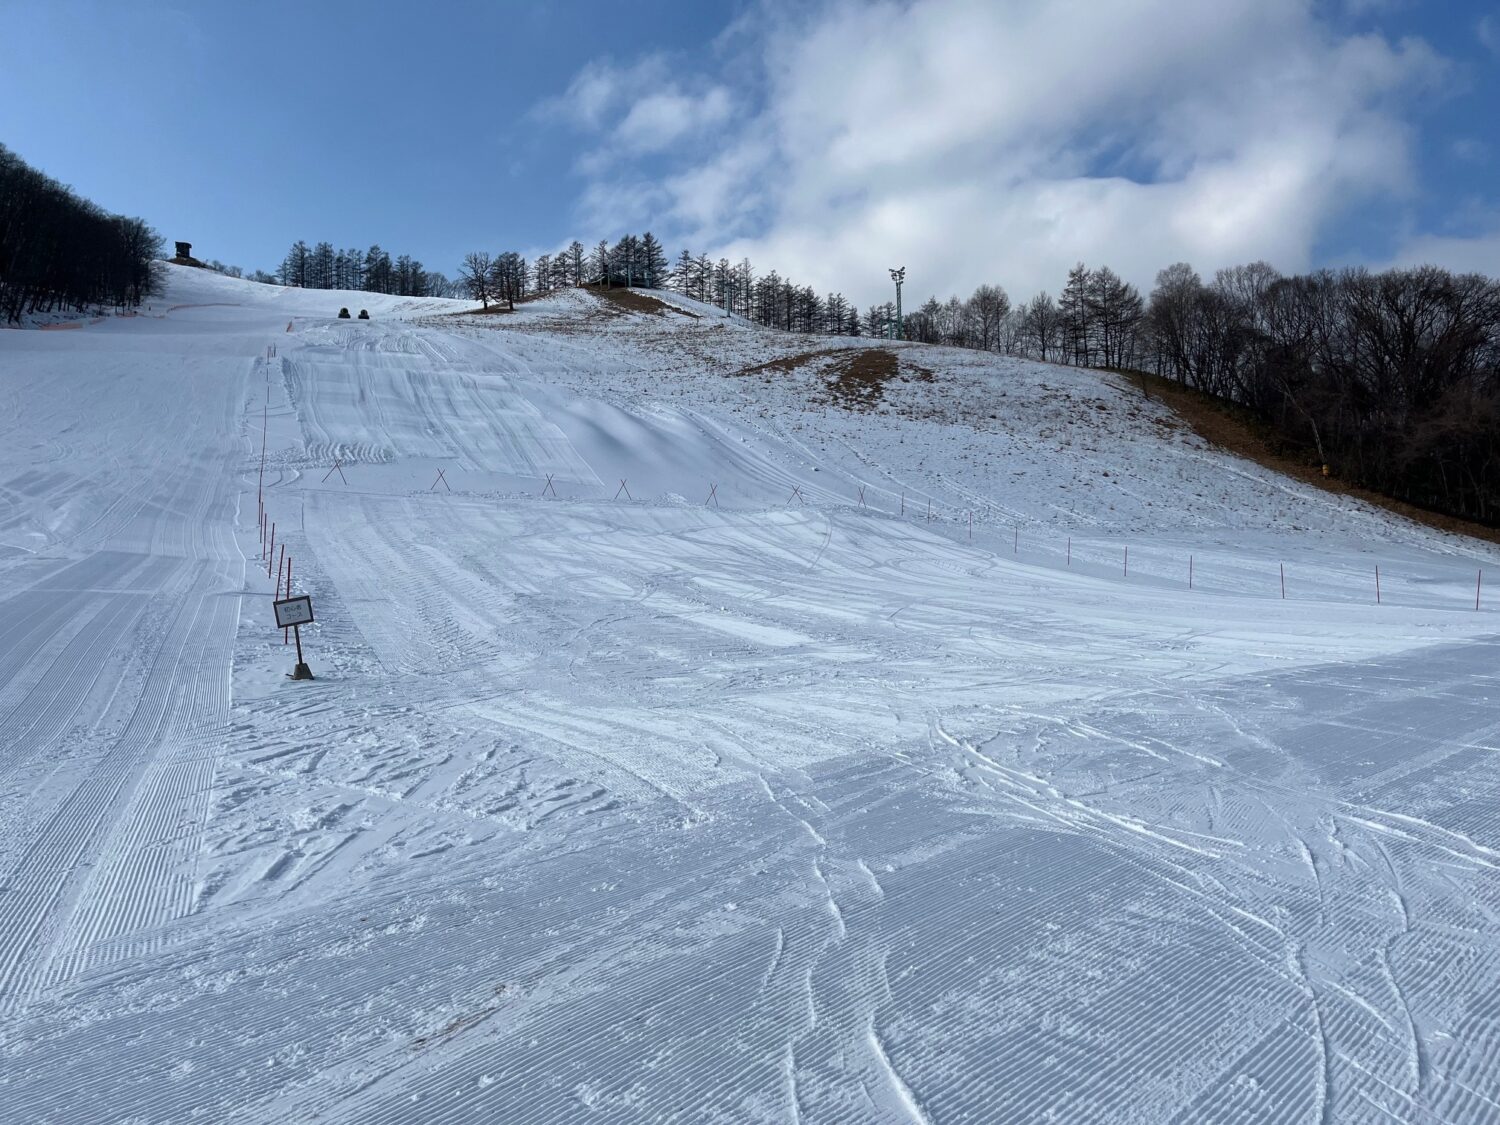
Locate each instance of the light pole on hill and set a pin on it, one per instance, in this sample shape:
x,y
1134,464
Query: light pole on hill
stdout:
x,y
898,276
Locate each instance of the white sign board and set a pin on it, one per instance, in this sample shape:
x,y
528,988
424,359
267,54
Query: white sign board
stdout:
x,y
293,611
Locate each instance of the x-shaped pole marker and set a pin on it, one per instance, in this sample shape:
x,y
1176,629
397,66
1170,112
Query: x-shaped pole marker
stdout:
x,y
623,489
549,487
861,496
337,468
713,494
442,478
796,494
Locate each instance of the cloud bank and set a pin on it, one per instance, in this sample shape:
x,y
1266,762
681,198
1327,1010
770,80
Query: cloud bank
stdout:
x,y
1005,140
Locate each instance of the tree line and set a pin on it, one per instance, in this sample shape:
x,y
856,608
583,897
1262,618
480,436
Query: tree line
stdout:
x,y
59,251
640,261
1390,380
373,271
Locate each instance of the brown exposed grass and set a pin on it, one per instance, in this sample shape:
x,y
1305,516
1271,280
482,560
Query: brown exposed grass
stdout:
x,y
855,378
634,301
860,376
1234,429
787,364
500,305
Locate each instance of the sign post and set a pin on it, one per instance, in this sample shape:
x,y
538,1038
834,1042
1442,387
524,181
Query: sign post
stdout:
x,y
293,613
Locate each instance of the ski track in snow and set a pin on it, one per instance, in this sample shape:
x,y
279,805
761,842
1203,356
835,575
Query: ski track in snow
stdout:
x,y
753,810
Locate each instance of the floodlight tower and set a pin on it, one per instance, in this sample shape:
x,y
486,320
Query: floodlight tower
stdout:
x,y
898,276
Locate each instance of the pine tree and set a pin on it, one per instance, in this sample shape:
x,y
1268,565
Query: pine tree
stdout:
x,y
320,267
1073,312
294,267
703,272
378,270
653,262
680,278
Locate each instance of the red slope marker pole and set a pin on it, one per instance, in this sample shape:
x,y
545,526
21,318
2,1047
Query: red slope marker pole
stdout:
x,y
1127,562
903,501
284,638
1190,572
1477,581
1283,581
971,523
280,566
1377,585
273,549
1015,546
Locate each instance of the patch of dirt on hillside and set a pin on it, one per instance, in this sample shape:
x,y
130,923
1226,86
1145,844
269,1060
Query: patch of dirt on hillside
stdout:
x,y
634,301
499,306
787,364
859,377
854,378
1235,430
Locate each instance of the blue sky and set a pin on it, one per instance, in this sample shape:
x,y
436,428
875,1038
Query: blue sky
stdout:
x,y
971,140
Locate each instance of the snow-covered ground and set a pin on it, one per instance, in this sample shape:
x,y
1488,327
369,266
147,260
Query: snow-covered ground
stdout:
x,y
881,787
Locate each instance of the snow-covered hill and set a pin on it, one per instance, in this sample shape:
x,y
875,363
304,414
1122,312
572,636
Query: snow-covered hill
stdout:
x,y
744,727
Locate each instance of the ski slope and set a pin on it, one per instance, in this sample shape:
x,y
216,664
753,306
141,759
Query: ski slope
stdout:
x,y
702,749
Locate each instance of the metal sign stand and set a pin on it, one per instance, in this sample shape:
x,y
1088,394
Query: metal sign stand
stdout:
x,y
301,671
295,612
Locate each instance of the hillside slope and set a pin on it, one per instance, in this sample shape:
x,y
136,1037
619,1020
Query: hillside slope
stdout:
x,y
731,732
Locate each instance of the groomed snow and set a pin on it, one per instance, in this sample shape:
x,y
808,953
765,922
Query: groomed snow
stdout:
x,y
801,804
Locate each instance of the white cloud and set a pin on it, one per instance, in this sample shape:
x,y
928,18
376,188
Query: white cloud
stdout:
x,y
1005,140
1477,254
660,119
599,90
634,111
1488,31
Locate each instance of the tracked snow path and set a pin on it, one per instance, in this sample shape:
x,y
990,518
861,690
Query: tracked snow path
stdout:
x,y
773,808
120,627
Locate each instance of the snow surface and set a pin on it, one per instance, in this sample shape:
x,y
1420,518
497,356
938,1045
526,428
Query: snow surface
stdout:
x,y
784,807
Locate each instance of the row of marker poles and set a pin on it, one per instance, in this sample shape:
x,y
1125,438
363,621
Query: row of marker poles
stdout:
x,y
282,559
284,572
260,486
1016,549
796,494
268,536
